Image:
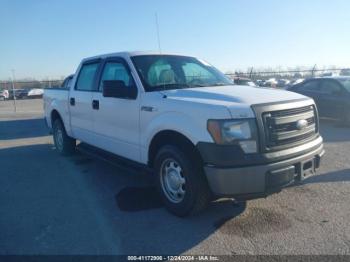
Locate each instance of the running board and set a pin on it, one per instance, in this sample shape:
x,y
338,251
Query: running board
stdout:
x,y
113,159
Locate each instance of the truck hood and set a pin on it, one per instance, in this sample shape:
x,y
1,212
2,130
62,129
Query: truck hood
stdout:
x,y
238,99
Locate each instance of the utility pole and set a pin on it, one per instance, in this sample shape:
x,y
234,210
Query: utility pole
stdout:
x,y
251,73
313,70
13,90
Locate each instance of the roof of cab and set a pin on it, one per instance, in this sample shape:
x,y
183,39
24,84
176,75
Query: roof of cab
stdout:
x,y
127,54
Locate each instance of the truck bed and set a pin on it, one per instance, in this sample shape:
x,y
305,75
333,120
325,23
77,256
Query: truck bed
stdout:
x,y
59,98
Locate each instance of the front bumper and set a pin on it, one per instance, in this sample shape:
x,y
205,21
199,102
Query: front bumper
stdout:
x,y
259,180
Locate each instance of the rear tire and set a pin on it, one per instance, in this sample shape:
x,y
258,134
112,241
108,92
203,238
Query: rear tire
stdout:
x,y
64,144
181,181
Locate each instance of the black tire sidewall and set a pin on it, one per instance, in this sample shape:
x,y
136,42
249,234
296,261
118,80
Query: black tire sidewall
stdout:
x,y
190,171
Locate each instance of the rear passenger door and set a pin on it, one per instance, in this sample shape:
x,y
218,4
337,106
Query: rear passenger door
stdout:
x,y
80,101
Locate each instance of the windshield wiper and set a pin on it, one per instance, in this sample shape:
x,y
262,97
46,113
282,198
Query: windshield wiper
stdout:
x,y
222,84
198,85
171,86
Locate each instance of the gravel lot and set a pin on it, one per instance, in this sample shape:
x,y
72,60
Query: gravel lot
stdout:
x,y
79,205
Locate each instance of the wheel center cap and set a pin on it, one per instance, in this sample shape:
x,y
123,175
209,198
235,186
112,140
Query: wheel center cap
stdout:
x,y
174,180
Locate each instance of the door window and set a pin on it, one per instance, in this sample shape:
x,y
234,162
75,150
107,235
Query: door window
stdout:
x,y
86,77
116,71
330,87
310,86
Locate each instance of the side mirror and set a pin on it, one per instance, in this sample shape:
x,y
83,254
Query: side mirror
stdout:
x,y
117,88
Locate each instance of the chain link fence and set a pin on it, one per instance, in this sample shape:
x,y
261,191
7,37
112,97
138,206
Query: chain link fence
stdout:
x,y
290,74
250,73
33,84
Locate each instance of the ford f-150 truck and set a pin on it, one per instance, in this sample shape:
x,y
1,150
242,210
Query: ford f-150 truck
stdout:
x,y
202,136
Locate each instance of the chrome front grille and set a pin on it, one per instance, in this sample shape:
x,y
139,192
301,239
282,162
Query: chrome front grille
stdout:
x,y
288,127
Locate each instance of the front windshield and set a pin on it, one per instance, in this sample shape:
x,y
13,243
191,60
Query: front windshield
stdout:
x,y
158,72
346,83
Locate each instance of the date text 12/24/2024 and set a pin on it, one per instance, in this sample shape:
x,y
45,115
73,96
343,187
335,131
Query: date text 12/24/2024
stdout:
x,y
173,258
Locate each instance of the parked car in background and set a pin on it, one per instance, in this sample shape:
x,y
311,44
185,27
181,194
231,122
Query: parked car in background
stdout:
x,y
329,74
297,81
282,83
331,94
35,93
22,93
294,82
4,94
18,93
259,82
242,81
272,82
345,72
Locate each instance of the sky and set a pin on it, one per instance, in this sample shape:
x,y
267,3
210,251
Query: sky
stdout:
x,y
47,38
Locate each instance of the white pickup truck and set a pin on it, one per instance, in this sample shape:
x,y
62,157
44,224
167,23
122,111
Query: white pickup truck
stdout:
x,y
202,136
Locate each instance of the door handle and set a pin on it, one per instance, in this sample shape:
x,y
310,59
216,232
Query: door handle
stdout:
x,y
72,101
96,104
148,108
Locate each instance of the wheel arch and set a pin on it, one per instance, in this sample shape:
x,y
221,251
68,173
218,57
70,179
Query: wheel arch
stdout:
x,y
54,115
171,137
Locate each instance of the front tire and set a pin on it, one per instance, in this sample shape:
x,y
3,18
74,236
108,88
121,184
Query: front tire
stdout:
x,y
181,181
64,144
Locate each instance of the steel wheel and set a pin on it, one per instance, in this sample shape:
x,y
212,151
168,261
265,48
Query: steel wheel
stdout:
x,y
172,180
59,139
64,144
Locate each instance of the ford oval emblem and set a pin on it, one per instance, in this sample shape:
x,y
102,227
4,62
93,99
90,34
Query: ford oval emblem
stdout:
x,y
301,124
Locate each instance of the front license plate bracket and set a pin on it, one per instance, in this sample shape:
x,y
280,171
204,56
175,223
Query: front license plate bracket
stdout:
x,y
306,169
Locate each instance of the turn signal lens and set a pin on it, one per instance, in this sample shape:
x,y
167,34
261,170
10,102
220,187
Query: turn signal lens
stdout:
x,y
214,129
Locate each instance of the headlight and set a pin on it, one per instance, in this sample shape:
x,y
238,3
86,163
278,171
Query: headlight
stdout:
x,y
229,132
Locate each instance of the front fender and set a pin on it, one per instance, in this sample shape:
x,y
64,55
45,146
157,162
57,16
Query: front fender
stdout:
x,y
195,130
